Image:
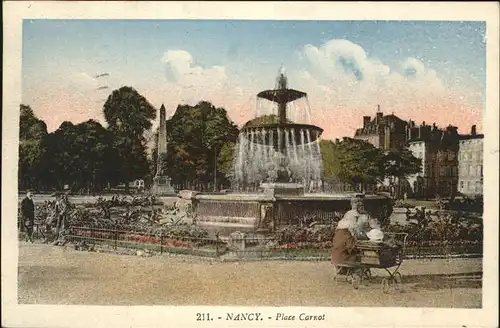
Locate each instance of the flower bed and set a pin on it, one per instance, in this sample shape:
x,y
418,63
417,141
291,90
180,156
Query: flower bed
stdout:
x,y
451,233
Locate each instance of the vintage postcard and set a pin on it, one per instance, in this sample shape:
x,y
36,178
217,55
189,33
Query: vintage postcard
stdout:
x,y
212,164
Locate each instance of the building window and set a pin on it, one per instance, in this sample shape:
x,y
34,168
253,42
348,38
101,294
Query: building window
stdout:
x,y
471,170
469,185
478,186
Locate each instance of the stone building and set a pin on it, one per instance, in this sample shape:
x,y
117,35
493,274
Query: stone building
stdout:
x,y
419,183
470,169
438,150
451,162
384,132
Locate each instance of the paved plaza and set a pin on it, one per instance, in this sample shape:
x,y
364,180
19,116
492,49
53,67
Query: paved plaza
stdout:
x,y
56,275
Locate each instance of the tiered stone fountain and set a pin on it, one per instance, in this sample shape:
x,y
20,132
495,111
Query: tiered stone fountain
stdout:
x,y
285,158
285,154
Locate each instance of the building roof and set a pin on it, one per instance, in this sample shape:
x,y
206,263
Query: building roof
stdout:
x,y
371,128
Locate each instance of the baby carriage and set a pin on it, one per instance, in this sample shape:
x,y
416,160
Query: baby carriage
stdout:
x,y
386,255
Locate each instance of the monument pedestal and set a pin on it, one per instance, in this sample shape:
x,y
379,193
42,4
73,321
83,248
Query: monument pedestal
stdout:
x,y
162,187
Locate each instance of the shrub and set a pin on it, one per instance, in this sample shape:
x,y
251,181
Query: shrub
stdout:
x,y
297,234
464,204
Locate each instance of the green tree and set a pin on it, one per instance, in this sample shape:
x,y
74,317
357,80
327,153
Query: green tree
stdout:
x,y
225,161
401,164
352,161
30,127
32,132
81,156
197,135
129,115
93,146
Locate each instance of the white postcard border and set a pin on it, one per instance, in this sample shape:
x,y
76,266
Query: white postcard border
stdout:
x,y
14,315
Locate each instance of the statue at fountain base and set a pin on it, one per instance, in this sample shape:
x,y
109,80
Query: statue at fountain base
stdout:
x,y
162,186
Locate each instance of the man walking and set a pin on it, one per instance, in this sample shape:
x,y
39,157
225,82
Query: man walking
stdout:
x,y
28,216
61,212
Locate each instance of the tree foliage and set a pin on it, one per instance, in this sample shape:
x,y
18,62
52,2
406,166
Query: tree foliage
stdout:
x,y
352,161
196,136
32,132
225,161
30,127
129,115
81,156
401,164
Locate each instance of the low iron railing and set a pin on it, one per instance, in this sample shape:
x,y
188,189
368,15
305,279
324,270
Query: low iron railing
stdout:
x,y
243,247
156,243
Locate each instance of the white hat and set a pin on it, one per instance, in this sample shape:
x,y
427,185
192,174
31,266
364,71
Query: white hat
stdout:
x,y
375,235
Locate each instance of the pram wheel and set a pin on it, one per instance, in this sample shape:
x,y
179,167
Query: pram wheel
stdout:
x,y
356,280
342,273
397,280
385,285
367,276
348,277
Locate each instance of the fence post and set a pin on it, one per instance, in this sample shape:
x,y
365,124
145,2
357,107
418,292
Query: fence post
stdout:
x,y
116,235
217,244
161,242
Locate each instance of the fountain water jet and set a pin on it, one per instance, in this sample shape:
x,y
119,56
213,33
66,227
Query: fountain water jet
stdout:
x,y
284,159
287,168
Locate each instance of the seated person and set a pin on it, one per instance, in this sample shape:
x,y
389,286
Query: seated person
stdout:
x,y
352,227
344,240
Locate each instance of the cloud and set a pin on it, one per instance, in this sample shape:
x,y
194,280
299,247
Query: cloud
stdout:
x,y
342,81
189,83
177,64
345,83
342,58
180,69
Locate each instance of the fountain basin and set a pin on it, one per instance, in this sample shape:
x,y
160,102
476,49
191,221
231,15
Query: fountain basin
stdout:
x,y
263,213
282,95
293,134
275,155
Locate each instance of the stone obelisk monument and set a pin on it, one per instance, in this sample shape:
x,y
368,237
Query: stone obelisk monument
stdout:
x,y
161,181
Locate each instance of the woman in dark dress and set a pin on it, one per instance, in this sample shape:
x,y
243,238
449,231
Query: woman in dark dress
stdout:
x,y
352,227
344,240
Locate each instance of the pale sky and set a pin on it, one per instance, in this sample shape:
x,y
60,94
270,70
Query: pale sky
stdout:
x,y
425,71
